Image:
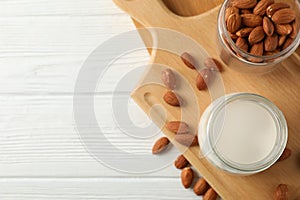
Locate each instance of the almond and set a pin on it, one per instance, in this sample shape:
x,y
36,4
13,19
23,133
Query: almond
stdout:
x,y
274,7
187,139
257,50
271,42
271,53
256,35
210,195
234,22
178,127
261,6
244,32
284,16
285,155
244,4
160,145
283,29
251,20
234,37
181,162
281,192
246,11
168,78
281,40
188,60
295,26
268,26
187,177
287,43
172,99
203,79
213,64
242,44
201,187
231,10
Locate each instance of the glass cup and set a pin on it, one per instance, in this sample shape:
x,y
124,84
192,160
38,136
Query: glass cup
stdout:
x,y
242,133
243,61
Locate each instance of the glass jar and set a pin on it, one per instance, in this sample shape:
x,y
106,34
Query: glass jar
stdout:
x,y
242,133
241,60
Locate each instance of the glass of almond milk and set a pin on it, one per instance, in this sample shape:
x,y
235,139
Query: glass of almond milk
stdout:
x,y
242,133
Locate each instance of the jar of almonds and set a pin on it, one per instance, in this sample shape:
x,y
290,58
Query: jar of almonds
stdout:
x,y
257,35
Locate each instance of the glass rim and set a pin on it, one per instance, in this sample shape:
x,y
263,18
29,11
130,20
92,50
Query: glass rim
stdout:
x,y
235,49
281,126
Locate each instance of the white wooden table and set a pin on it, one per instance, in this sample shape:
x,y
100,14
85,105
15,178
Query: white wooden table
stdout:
x,y
43,45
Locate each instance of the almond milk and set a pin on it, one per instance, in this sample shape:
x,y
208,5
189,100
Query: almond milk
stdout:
x,y
242,133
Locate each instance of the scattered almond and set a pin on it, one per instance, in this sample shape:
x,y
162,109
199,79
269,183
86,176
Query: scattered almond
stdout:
x,y
172,99
234,22
274,7
201,187
203,79
268,26
160,145
283,29
188,60
187,177
261,6
256,35
285,155
213,64
244,4
281,192
210,195
242,44
178,127
168,78
181,162
284,16
187,139
271,42
244,32
251,20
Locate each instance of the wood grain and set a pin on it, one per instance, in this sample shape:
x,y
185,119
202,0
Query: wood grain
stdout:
x,y
94,188
282,86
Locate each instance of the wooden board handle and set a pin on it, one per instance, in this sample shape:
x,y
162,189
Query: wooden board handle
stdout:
x,y
189,8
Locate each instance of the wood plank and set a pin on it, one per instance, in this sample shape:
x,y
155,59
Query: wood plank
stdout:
x,y
51,146
57,74
21,8
92,189
48,42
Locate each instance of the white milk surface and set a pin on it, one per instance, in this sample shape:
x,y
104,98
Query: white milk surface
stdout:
x,y
248,134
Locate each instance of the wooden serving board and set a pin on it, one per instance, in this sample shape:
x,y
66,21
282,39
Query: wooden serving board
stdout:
x,y
282,86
